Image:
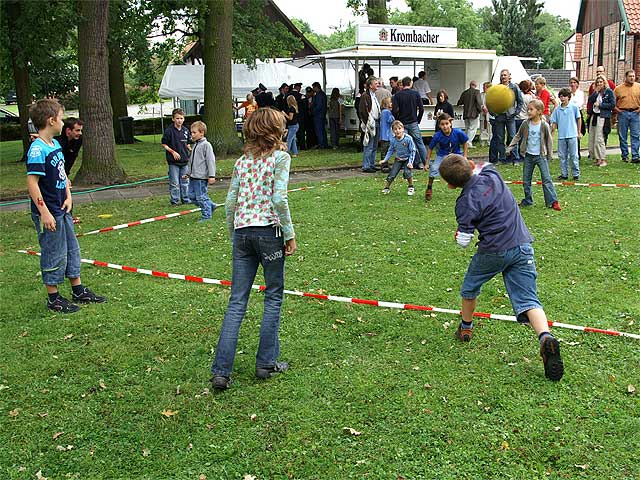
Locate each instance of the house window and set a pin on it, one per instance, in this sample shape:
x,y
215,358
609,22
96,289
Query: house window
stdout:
x,y
591,45
622,42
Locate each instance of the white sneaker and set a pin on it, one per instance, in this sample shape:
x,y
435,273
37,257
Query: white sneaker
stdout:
x,y
386,191
411,191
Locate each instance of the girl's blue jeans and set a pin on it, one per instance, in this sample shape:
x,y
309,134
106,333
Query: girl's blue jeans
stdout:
x,y
530,161
253,246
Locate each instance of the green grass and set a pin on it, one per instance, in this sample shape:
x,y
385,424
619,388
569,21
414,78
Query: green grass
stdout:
x,y
426,406
146,160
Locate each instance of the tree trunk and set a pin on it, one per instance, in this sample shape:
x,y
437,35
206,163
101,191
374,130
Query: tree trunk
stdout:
x,y
216,54
99,163
117,91
20,71
377,11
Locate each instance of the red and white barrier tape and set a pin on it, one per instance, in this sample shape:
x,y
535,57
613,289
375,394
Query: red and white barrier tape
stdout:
x,y
333,298
577,184
139,222
161,217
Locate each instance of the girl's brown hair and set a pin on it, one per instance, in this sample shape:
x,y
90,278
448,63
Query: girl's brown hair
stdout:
x,y
263,132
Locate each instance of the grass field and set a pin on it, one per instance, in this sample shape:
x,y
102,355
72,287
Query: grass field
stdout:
x,y
83,396
146,160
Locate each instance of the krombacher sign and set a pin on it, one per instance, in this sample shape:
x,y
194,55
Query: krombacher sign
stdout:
x,y
405,35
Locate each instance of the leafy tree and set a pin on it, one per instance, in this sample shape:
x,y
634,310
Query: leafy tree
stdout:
x,y
554,30
449,13
99,163
341,37
517,22
376,10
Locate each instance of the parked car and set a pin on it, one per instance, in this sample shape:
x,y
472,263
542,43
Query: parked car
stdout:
x,y
7,116
10,97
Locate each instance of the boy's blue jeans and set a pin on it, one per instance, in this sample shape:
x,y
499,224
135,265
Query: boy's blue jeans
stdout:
x,y
568,150
60,251
178,186
253,246
629,121
549,191
518,270
398,165
198,193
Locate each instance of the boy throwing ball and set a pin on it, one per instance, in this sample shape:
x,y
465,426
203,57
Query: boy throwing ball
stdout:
x,y
487,205
51,210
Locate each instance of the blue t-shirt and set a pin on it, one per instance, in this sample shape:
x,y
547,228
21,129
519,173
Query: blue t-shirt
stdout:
x,y
486,204
47,161
449,144
533,141
386,120
566,120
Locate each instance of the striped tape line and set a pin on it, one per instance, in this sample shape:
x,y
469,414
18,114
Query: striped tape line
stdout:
x,y
160,217
577,184
333,298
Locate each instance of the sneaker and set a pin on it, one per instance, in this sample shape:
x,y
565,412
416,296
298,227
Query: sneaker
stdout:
x,y
556,206
522,204
603,163
428,195
76,220
62,305
575,179
268,372
87,296
562,178
411,191
386,191
635,160
625,160
550,352
220,383
464,334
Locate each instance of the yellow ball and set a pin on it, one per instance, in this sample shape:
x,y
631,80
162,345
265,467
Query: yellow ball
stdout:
x,y
499,98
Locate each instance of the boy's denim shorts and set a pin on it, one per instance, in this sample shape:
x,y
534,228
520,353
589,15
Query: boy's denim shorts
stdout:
x,y
434,166
518,270
60,251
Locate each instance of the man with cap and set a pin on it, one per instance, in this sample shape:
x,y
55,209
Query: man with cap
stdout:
x,y
281,99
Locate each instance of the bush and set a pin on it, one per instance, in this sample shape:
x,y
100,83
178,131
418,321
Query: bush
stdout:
x,y
143,94
70,101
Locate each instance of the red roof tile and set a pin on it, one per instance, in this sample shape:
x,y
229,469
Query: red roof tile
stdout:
x,y
632,9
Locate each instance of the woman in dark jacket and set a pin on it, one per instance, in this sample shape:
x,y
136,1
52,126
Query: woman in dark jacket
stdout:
x,y
442,106
601,103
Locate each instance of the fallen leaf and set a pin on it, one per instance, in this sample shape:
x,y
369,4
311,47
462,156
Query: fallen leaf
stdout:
x,y
505,445
583,467
416,368
24,334
105,215
57,435
146,452
14,412
92,451
68,337
190,446
210,426
62,448
557,429
253,417
423,342
102,384
39,475
340,321
248,477
43,414
169,413
612,378
351,431
631,389
178,390
202,476
4,387
22,469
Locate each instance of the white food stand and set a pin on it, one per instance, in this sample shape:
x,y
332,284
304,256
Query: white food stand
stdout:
x,y
401,50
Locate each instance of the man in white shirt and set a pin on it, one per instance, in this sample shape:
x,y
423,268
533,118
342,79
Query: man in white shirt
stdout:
x,y
422,87
369,113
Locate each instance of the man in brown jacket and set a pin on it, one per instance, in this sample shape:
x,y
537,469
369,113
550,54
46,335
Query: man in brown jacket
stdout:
x,y
472,103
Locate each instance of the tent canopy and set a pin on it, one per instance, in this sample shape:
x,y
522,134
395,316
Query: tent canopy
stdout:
x,y
187,81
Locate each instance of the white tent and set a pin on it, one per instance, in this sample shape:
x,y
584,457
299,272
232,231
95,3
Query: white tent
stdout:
x,y
514,65
187,81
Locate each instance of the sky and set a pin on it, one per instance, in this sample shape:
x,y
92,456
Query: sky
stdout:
x,y
324,14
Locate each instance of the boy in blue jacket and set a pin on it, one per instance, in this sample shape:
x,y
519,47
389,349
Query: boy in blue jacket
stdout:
x,y
405,149
487,205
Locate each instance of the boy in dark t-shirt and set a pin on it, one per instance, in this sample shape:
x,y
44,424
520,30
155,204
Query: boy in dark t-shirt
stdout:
x,y
51,211
175,142
487,205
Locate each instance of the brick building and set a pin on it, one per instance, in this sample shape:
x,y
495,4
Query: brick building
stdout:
x,y
608,34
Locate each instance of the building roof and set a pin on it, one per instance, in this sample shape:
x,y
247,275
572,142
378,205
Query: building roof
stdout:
x,y
629,10
555,78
